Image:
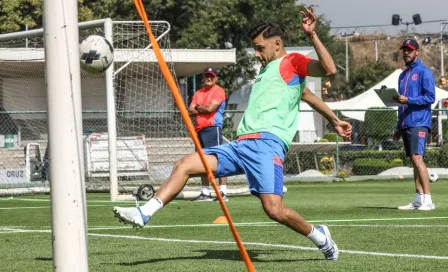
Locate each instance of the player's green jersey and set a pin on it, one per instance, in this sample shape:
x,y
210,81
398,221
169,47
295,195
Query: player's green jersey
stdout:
x,y
273,104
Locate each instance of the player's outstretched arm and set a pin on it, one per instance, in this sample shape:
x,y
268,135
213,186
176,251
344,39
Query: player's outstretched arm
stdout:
x,y
325,65
343,128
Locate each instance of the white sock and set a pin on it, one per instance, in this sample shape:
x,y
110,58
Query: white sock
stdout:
x,y
418,198
223,189
152,206
317,237
205,190
427,198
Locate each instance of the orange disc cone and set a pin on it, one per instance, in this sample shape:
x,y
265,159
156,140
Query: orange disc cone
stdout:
x,y
220,220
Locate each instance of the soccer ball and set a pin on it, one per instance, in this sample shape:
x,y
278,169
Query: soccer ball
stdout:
x,y
433,177
95,54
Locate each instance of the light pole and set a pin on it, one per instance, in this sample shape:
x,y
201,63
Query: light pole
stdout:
x,y
443,39
346,35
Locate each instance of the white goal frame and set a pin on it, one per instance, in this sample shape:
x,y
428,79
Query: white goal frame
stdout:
x,y
107,25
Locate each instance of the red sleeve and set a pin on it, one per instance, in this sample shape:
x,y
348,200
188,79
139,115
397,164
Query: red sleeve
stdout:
x,y
219,95
299,63
194,100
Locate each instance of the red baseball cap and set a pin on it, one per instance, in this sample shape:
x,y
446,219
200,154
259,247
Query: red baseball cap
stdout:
x,y
410,43
210,70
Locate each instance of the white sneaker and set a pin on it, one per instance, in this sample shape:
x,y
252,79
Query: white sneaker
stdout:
x,y
427,207
330,250
411,206
133,216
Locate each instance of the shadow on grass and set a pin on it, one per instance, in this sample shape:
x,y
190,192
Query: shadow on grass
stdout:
x,y
379,208
233,255
44,259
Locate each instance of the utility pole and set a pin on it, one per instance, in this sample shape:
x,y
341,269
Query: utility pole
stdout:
x,y
442,66
346,35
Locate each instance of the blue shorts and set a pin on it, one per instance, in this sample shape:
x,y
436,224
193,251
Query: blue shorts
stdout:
x,y
260,156
414,140
210,136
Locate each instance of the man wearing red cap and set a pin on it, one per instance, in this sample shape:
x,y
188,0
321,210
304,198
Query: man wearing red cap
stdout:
x,y
208,106
417,93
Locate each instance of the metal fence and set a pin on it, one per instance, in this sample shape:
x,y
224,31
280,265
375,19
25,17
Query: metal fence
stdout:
x,y
316,153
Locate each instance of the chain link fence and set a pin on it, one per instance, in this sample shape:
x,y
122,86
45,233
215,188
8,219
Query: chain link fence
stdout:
x,y
316,153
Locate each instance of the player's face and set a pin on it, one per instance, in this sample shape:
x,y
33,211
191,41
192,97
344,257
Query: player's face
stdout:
x,y
266,49
209,80
410,55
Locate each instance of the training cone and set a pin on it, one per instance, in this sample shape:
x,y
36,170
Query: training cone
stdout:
x,y
220,220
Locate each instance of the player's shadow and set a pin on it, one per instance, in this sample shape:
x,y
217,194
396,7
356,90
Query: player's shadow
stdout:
x,y
378,207
232,255
44,259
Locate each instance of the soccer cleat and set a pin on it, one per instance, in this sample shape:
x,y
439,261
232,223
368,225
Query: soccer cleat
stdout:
x,y
427,207
203,197
411,206
329,249
133,216
224,197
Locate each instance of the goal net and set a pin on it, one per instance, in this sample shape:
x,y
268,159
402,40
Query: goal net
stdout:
x,y
130,103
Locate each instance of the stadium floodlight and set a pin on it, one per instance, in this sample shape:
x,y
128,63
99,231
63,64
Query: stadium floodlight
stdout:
x,y
445,38
426,40
396,19
416,20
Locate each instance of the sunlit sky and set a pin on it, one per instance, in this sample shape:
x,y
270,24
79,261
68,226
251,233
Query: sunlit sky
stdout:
x,y
379,12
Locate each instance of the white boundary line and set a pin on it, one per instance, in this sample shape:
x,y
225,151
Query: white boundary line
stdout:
x,y
4,230
42,207
270,245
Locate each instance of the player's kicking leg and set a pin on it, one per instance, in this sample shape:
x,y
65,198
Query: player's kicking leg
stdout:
x,y
188,166
274,207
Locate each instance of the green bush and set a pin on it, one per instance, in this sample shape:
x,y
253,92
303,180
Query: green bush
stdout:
x,y
331,137
378,124
433,157
323,140
445,130
374,166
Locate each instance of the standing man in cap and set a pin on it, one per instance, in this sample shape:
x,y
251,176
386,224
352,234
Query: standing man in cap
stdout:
x,y
416,94
208,106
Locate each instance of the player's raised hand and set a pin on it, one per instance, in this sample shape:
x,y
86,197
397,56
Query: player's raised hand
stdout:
x,y
308,20
344,129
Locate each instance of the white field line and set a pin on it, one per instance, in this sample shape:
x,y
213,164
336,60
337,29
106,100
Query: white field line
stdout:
x,y
414,256
45,207
88,201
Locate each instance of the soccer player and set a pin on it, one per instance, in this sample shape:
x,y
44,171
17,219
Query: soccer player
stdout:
x,y
264,134
417,93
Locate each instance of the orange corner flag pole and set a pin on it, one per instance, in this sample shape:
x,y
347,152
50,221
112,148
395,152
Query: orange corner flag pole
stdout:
x,y
179,101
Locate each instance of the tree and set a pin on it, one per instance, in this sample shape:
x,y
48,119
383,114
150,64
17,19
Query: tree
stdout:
x,y
15,15
368,75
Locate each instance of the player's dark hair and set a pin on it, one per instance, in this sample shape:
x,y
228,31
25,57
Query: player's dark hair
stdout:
x,y
268,29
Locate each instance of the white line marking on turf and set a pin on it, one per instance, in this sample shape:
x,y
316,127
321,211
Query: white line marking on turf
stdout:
x,y
88,201
11,230
270,245
41,207
248,243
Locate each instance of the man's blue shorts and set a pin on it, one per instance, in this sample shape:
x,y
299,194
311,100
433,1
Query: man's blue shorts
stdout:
x,y
210,136
414,140
260,156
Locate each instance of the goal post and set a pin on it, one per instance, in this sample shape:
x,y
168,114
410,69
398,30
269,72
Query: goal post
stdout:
x,y
63,89
131,99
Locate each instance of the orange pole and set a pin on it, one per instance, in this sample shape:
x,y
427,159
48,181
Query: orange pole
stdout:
x,y
179,101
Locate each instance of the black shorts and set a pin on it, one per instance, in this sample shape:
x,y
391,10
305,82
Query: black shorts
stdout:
x,y
210,136
414,140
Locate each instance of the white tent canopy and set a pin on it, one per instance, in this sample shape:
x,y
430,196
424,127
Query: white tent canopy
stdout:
x,y
369,99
